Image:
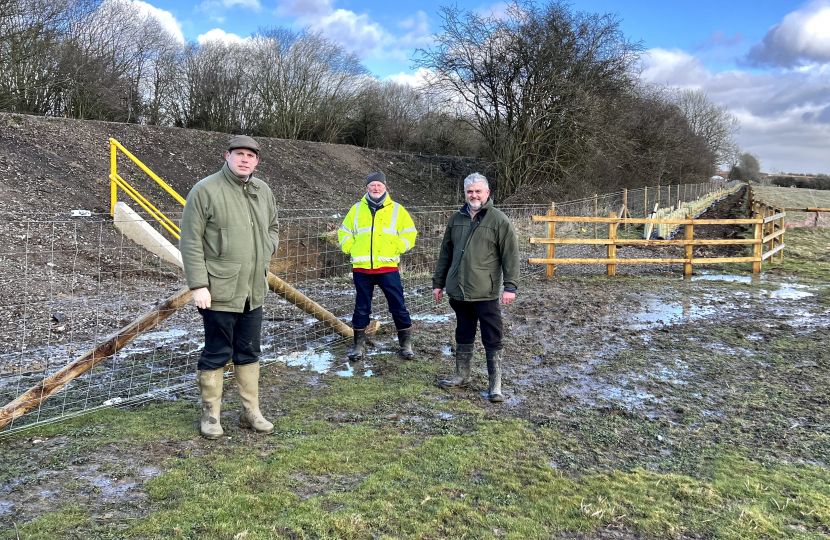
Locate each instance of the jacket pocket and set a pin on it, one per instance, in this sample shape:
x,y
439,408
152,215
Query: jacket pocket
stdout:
x,y
222,278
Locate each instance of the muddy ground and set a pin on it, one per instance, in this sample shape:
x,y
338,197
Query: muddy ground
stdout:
x,y
638,373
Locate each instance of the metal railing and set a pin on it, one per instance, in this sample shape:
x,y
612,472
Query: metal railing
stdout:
x,y
117,181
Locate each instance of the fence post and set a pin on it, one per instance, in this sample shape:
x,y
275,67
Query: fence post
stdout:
x,y
625,203
781,241
658,195
687,267
612,247
551,234
758,248
645,203
596,214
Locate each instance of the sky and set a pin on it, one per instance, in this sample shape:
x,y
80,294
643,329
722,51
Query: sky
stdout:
x,y
767,61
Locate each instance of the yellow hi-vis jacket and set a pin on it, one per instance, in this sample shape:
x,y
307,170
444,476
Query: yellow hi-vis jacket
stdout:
x,y
377,241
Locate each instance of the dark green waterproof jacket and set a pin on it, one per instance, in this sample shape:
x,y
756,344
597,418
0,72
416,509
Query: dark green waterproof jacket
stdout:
x,y
229,234
471,266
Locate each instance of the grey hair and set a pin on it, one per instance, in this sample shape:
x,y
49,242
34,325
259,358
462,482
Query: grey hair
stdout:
x,y
475,178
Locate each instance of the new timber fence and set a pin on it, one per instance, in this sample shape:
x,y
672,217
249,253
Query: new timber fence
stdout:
x,y
768,224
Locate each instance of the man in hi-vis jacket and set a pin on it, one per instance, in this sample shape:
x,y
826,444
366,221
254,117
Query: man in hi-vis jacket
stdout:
x,y
229,234
375,233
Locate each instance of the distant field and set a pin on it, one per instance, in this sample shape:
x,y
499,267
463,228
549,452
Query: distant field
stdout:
x,y
793,198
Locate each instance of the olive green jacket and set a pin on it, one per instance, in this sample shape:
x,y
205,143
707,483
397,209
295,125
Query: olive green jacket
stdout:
x,y
229,234
470,266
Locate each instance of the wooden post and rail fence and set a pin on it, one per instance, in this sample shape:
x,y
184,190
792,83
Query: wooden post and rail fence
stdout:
x,y
768,224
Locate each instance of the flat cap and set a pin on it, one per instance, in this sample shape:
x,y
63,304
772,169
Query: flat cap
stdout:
x,y
376,177
243,141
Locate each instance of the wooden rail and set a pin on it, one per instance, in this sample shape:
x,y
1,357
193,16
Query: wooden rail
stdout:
x,y
768,228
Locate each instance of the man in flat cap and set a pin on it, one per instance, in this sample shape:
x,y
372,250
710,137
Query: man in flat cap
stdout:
x,y
229,234
375,233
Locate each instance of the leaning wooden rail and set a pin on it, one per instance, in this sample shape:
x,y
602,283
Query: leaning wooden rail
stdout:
x,y
768,230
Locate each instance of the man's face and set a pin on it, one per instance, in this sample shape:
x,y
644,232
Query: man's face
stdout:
x,y
376,189
241,161
477,195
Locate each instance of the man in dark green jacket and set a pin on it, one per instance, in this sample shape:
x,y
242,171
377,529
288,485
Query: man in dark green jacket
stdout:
x,y
229,234
479,248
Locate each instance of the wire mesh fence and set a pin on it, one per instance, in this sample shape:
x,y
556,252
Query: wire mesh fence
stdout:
x,y
68,283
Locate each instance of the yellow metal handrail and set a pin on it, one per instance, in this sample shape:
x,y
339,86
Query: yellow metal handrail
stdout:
x,y
116,181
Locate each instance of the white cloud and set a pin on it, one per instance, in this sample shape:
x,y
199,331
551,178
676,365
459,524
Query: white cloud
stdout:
x,y
803,36
415,80
217,34
167,20
217,10
357,32
782,114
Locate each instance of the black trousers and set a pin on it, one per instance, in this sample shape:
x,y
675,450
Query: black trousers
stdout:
x,y
230,336
468,315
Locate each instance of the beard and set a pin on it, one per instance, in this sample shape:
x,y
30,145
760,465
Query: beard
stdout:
x,y
475,205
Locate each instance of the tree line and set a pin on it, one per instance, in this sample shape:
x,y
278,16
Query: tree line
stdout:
x,y
550,97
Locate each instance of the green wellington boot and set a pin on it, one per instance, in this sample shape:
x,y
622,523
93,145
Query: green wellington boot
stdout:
x,y
247,380
210,385
463,357
359,344
405,342
494,374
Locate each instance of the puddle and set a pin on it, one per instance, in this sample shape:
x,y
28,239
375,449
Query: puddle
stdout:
x,y
446,350
430,318
723,277
353,369
658,312
6,507
444,415
791,293
324,362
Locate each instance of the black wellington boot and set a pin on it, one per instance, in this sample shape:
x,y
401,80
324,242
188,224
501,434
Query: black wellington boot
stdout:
x,y
463,356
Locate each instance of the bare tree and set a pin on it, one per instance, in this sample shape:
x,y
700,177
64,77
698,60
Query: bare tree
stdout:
x,y
539,84
304,83
713,122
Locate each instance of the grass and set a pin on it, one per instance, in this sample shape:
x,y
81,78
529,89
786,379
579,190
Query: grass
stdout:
x,y
793,198
340,466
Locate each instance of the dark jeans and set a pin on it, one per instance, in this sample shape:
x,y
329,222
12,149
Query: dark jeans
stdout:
x,y
390,284
468,314
230,336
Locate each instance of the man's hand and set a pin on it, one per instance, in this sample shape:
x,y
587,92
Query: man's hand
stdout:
x,y
201,297
507,297
438,294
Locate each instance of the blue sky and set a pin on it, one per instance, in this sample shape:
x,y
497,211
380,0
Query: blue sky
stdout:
x,y
767,61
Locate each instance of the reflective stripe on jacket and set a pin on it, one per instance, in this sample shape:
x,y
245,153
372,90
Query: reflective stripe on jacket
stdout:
x,y
376,241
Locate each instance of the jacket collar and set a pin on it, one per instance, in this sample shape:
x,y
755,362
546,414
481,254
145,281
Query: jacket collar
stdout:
x,y
387,202
488,205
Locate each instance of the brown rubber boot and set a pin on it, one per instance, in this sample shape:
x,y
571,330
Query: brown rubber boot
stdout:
x,y
247,380
210,385
494,374
405,342
463,356
359,344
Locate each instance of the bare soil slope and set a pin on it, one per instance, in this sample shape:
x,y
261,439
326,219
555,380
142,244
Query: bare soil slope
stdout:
x,y
56,164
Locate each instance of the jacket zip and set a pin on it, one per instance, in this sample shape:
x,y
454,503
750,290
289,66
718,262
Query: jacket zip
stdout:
x,y
372,241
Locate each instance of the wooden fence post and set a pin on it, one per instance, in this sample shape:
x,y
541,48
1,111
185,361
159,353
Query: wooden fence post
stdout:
x,y
645,203
687,267
612,247
658,195
596,214
551,234
781,238
758,248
